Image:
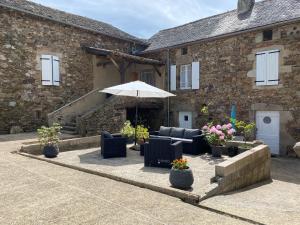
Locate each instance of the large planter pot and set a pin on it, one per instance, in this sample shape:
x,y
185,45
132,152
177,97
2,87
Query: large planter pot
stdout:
x,y
217,151
181,179
50,151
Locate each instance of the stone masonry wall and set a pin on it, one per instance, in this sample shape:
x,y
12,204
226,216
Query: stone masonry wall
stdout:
x,y
227,76
24,101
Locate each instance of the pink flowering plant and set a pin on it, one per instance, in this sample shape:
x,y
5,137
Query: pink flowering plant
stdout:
x,y
217,135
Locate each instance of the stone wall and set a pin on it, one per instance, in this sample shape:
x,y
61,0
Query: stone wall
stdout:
x,y
24,38
111,115
227,77
248,168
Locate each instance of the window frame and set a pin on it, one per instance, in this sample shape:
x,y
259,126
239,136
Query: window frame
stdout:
x,y
149,71
186,71
266,76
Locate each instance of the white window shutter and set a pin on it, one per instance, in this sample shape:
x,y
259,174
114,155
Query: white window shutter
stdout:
x,y
173,78
46,61
55,71
273,68
261,69
195,75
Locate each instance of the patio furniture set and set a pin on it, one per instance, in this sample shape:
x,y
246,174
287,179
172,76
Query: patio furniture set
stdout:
x,y
163,147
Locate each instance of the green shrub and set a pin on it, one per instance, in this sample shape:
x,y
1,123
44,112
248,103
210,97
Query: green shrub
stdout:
x,y
127,130
49,135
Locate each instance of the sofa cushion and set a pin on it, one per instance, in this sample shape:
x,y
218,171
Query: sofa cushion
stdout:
x,y
177,132
106,134
190,133
164,131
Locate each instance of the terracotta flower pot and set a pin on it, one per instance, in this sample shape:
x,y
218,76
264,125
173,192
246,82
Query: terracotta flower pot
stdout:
x,y
181,179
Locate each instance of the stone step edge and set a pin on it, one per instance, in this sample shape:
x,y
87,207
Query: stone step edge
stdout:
x,y
183,195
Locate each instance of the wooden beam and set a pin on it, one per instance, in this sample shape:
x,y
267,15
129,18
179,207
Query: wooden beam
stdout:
x,y
157,70
115,63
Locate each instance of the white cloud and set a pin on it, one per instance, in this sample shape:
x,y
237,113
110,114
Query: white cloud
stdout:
x,y
142,18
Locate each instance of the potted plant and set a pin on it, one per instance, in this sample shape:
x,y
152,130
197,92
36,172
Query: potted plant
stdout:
x,y
247,131
217,137
142,134
128,131
181,176
49,139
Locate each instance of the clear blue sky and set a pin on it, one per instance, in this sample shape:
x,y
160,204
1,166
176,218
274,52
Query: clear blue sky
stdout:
x,y
143,18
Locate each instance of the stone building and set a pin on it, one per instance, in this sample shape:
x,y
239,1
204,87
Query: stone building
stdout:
x,y
249,57
45,63
53,63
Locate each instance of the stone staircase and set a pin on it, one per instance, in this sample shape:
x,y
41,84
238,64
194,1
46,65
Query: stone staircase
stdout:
x,y
70,128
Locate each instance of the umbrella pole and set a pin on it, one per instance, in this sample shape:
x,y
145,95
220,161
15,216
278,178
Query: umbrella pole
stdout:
x,y
136,116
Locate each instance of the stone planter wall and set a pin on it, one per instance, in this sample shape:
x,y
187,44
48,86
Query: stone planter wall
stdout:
x,y
247,168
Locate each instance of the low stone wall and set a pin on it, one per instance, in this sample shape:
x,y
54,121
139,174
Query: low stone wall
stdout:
x,y
65,145
245,169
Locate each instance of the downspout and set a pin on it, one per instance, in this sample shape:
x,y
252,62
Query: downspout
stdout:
x,y
169,87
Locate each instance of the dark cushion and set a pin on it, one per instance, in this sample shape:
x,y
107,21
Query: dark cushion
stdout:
x,y
164,131
106,134
190,133
177,132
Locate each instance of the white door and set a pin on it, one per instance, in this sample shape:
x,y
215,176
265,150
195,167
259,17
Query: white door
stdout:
x,y
185,120
267,123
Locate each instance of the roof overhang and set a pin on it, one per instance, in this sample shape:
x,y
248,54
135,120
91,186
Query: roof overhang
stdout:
x,y
122,55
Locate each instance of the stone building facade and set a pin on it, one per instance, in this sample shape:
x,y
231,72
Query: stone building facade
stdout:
x,y
228,77
24,38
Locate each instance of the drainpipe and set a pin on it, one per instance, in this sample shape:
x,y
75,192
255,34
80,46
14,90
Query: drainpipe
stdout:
x,y
169,87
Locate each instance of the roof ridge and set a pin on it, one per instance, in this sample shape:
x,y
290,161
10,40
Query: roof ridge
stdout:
x,y
209,17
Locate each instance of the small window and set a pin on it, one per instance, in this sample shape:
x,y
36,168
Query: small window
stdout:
x,y
267,68
267,35
148,77
186,76
184,51
50,70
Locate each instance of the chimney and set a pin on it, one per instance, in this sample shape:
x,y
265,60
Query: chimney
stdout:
x,y
245,6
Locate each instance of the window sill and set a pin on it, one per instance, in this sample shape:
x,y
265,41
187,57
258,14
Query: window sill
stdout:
x,y
268,86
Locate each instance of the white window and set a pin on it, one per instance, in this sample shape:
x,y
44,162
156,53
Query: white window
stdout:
x,y
186,76
50,70
267,68
148,77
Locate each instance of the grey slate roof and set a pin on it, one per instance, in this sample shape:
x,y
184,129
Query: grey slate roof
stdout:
x,y
68,18
264,13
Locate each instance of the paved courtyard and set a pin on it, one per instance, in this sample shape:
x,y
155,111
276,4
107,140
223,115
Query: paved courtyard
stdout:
x,y
132,168
36,192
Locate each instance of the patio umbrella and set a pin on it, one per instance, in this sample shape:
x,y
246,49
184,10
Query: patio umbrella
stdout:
x,y
137,89
233,115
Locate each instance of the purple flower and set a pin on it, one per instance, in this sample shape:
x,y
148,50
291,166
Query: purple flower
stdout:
x,y
205,127
229,126
222,138
219,127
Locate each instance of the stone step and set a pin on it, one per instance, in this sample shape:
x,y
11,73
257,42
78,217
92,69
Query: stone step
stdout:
x,y
70,128
70,124
68,132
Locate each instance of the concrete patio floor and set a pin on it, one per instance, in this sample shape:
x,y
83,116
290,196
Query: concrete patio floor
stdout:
x,y
35,192
132,168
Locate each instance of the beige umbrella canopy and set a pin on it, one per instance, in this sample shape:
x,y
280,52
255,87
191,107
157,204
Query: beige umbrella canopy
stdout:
x,y
137,89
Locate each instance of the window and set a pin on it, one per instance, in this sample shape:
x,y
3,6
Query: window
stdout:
x,y
50,70
184,51
148,77
186,76
267,68
267,35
